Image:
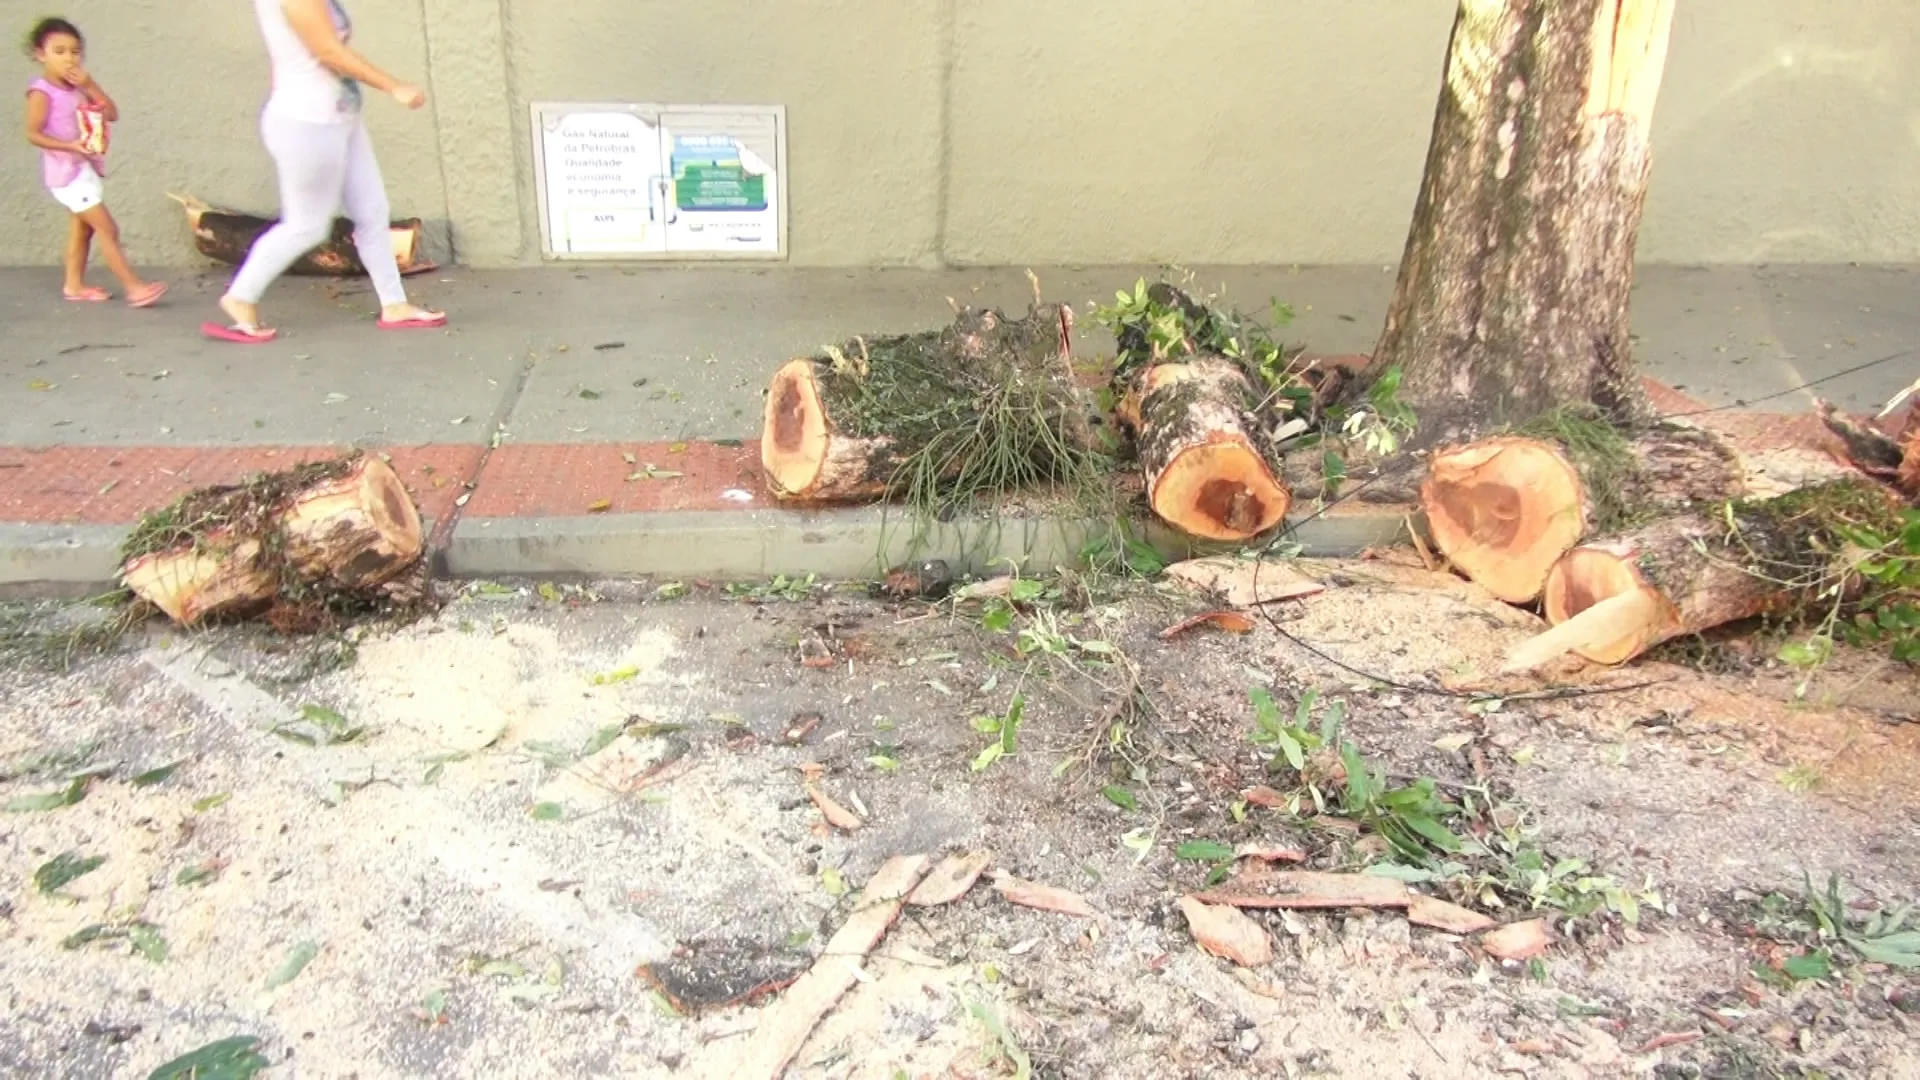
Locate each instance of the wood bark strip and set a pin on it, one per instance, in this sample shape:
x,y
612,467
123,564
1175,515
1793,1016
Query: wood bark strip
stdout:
x,y
1227,933
1513,290
1309,889
786,1024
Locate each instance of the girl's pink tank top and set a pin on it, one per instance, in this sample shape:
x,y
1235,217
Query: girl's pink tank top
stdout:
x,y
60,167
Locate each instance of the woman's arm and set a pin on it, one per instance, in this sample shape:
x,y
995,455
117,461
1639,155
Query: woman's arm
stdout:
x,y
313,22
37,105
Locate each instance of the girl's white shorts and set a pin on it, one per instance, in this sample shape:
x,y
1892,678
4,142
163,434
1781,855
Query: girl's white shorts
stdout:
x,y
84,193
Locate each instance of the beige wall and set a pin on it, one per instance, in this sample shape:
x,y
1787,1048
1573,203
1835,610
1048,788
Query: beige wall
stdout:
x,y
968,132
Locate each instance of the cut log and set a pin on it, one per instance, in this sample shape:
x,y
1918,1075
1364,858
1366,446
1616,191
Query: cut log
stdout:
x,y
1693,572
1504,509
321,531
988,402
1895,459
1512,296
1209,469
227,236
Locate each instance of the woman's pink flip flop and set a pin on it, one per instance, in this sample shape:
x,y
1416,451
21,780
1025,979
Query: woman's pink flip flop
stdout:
x,y
238,333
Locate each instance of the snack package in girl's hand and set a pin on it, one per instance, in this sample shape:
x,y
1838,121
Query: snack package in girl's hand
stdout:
x,y
93,129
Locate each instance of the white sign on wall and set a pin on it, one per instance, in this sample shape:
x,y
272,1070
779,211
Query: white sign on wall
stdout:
x,y
661,181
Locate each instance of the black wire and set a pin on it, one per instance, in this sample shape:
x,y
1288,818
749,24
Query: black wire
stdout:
x,y
1810,384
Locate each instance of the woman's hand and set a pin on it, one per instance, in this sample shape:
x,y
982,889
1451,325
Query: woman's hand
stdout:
x,y
409,95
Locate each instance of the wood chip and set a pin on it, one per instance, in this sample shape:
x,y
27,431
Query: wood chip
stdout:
x,y
1245,583
1042,897
1536,1047
1310,889
1230,621
1518,941
1269,853
1265,796
951,880
1672,1038
837,816
786,1024
1441,915
1228,933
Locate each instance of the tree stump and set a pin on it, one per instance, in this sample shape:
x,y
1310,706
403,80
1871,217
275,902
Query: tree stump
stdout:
x,y
1512,297
314,533
1692,572
1504,509
227,236
988,403
1209,469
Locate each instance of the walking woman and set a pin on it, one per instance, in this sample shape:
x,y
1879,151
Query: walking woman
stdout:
x,y
312,127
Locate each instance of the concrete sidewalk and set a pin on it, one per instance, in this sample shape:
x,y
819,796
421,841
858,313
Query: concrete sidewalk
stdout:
x,y
515,424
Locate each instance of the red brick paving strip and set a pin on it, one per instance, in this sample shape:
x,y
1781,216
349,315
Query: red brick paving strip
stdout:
x,y
107,485
572,480
115,485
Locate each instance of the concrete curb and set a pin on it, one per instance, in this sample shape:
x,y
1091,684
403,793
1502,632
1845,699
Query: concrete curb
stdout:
x,y
858,543
836,544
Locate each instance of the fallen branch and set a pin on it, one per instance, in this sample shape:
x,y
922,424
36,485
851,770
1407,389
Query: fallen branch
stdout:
x,y
786,1025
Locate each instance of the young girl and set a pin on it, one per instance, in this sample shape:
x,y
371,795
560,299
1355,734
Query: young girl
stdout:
x,y
54,101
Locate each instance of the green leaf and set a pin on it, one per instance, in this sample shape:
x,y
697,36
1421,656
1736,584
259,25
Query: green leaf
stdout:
x,y
158,775
52,800
988,756
832,881
297,960
197,874
547,811
147,941
228,1059
1120,797
1894,950
617,675
1296,754
1813,965
998,619
63,870
1204,851
211,802
324,718
600,740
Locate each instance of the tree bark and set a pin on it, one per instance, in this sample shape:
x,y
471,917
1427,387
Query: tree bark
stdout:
x,y
1209,470
1513,291
348,532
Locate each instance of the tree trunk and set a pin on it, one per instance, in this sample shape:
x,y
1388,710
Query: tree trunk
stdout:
x,y
1504,509
1513,291
335,531
1693,572
1209,470
986,402
227,237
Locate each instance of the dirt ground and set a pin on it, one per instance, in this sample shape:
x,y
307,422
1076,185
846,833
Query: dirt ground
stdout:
x,y
486,834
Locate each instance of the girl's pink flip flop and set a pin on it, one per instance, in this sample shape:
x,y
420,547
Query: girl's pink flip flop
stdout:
x,y
238,333
149,297
414,322
87,296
